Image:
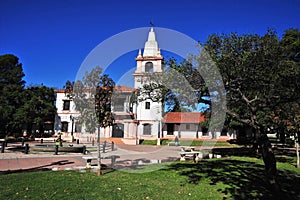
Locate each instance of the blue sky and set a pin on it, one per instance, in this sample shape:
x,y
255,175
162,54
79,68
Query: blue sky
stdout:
x,y
52,38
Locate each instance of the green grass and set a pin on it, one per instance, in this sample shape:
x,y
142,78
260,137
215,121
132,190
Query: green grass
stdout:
x,y
190,142
227,178
148,142
200,143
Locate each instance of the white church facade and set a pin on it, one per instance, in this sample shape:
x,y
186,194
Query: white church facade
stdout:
x,y
142,120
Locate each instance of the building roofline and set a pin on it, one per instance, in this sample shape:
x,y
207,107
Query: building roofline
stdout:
x,y
184,117
121,88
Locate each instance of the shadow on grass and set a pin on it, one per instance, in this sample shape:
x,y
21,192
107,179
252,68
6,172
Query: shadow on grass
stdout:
x,y
243,179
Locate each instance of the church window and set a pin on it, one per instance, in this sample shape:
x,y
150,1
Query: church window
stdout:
x,y
149,67
78,127
187,127
119,104
66,105
147,129
147,105
64,126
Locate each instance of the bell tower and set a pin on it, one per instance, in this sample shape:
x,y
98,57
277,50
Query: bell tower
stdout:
x,y
148,62
149,113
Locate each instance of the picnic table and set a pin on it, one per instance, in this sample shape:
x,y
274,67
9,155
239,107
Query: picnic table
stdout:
x,y
189,151
187,148
90,158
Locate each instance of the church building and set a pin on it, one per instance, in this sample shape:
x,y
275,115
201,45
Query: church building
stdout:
x,y
143,120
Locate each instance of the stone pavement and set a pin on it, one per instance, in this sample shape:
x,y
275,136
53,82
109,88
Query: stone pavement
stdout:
x,y
39,164
127,156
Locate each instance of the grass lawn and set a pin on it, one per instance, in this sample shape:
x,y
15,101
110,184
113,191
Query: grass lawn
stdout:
x,y
190,142
226,178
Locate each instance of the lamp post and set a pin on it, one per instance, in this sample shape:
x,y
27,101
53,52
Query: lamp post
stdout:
x,y
158,134
136,133
158,119
72,130
99,152
297,144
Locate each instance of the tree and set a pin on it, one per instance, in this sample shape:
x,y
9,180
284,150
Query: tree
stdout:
x,y
11,87
88,95
103,101
92,97
259,80
37,110
290,115
291,44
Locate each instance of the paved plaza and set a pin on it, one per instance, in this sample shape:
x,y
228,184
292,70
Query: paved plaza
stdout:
x,y
126,156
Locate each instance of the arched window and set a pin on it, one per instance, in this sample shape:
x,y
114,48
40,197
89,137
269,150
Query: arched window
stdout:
x,y
149,67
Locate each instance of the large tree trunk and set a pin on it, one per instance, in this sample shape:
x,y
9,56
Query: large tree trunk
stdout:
x,y
99,153
297,153
282,136
29,129
269,160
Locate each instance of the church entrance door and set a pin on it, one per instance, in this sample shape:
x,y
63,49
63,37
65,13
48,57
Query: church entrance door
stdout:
x,y
118,130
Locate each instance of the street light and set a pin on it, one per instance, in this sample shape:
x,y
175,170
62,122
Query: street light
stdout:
x,y
156,111
72,130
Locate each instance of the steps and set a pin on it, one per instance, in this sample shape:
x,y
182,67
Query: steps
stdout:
x,y
115,140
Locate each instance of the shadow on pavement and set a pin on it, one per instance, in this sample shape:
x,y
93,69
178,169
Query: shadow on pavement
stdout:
x,y
45,167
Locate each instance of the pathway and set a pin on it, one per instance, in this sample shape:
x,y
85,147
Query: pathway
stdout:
x,y
128,156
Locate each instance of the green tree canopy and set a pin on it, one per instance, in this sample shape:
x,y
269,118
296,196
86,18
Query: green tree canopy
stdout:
x,y
11,89
261,78
92,98
37,110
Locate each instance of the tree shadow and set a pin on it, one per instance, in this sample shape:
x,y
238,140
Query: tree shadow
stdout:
x,y
39,168
242,151
243,179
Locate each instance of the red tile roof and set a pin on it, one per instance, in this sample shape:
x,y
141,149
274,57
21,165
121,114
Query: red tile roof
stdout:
x,y
124,88
59,90
184,117
117,88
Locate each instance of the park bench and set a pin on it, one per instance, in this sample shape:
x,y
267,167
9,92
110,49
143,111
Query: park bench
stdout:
x,y
89,159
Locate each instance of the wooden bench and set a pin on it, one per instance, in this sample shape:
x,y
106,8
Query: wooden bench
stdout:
x,y
90,158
